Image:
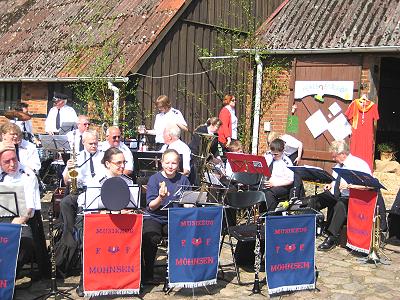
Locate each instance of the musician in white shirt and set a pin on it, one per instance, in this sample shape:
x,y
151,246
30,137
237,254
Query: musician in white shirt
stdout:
x,y
75,137
114,139
59,114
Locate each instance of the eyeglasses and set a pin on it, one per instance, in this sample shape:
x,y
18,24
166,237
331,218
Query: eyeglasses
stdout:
x,y
116,137
119,163
12,133
86,124
233,100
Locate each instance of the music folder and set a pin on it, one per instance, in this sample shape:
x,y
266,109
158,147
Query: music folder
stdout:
x,y
12,200
359,178
241,162
314,174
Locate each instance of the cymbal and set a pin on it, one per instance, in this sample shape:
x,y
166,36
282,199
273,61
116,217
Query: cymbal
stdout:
x,y
15,114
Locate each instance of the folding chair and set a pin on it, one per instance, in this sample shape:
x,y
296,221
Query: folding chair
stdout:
x,y
242,233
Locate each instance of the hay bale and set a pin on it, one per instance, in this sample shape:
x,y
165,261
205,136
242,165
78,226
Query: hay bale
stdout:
x,y
387,166
391,182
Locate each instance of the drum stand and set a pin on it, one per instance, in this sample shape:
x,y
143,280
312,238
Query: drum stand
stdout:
x,y
54,292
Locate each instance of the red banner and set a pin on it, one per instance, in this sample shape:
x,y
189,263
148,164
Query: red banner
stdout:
x,y
111,254
360,219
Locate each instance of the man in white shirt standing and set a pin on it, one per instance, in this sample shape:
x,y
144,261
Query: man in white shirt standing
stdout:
x,y
172,134
59,114
114,139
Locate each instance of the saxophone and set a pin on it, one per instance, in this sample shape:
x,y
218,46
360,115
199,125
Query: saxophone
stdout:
x,y
73,173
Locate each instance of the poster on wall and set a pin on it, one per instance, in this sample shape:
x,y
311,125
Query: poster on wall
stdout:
x,y
317,123
339,128
341,89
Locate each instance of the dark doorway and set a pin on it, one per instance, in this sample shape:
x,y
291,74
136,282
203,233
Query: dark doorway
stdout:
x,y
388,130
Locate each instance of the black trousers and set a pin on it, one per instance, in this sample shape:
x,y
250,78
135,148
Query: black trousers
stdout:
x,y
68,210
153,232
273,195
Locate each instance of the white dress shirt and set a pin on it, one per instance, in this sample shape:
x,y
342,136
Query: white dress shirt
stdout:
x,y
31,186
181,148
281,174
28,125
83,166
173,116
291,144
234,121
29,156
67,114
352,163
127,153
74,139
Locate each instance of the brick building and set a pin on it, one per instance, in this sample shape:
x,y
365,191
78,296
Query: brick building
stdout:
x,y
331,42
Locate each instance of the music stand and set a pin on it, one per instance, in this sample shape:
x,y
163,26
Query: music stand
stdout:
x,y
58,143
313,174
66,127
358,178
241,162
12,200
146,162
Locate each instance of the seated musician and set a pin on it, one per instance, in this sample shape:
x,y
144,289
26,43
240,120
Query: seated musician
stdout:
x,y
13,172
113,163
162,188
26,151
293,147
281,180
210,128
235,147
336,194
75,137
172,134
114,139
25,126
88,162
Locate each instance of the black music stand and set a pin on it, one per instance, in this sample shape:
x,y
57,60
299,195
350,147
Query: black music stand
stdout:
x,y
57,143
312,174
358,178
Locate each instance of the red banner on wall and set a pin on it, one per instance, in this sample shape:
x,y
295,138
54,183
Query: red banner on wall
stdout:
x,y
360,219
111,254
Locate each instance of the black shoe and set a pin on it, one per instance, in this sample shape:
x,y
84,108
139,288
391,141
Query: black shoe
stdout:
x,y
329,243
79,291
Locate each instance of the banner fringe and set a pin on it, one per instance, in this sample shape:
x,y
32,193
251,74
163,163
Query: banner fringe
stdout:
x,y
291,288
355,248
111,292
192,284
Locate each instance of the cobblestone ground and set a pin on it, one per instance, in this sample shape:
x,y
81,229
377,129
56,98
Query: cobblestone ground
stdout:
x,y
341,276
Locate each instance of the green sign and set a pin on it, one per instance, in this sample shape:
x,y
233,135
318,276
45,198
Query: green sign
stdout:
x,y
292,125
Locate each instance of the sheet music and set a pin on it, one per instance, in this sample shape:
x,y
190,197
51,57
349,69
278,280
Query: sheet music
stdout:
x,y
7,200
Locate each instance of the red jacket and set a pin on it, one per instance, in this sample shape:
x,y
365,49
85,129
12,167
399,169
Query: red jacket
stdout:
x,y
225,130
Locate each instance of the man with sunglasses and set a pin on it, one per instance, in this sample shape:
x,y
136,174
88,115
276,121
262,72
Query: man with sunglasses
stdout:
x,y
114,139
75,137
59,114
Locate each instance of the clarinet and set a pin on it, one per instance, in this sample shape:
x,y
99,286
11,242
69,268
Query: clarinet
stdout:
x,y
257,259
54,289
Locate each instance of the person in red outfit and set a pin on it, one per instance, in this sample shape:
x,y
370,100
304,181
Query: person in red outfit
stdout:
x,y
228,130
362,114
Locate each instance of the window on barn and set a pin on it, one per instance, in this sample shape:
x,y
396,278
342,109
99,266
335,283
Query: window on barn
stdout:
x,y
10,95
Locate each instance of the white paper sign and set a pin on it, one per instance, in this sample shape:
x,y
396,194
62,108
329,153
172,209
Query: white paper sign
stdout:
x,y
342,89
317,123
339,128
335,108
